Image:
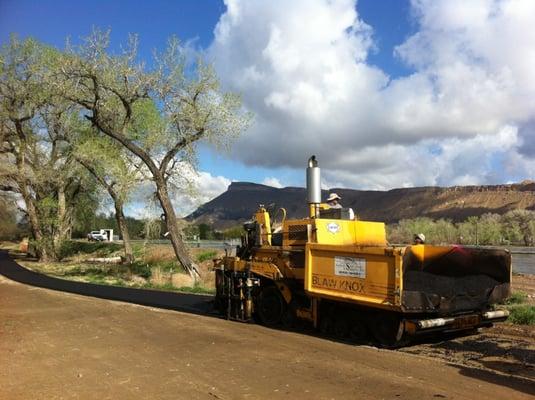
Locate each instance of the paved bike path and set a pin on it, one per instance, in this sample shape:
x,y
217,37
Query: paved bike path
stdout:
x,y
187,302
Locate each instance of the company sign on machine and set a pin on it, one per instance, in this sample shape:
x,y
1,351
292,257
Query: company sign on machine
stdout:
x,y
349,266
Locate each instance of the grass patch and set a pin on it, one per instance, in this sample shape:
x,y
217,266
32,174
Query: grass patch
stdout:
x,y
141,269
11,246
517,298
138,249
522,315
168,266
97,279
155,267
99,249
157,256
89,271
198,289
206,255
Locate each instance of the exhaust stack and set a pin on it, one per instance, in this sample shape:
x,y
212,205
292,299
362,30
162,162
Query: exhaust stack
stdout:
x,y
313,186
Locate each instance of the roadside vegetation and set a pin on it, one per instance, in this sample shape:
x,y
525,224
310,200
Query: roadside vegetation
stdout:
x,y
207,232
523,314
516,227
155,266
521,308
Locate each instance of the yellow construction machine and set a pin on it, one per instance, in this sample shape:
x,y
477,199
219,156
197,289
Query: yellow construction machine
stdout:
x,y
339,275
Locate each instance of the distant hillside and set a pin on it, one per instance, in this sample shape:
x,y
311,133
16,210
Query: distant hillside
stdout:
x,y
241,199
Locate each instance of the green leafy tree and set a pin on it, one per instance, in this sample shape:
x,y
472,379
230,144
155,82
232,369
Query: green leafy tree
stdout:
x,y
158,115
20,96
442,231
34,163
404,231
469,230
206,232
489,229
111,167
191,231
510,229
235,232
518,226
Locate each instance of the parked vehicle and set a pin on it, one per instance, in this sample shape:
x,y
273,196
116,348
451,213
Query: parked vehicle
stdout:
x,y
97,236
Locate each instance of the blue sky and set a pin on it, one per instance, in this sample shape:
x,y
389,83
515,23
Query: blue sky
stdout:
x,y
53,21
390,93
155,21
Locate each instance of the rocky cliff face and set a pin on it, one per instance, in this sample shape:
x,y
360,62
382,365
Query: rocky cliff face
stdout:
x,y
241,199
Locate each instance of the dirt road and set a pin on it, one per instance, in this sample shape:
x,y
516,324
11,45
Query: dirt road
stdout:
x,y
505,348
55,345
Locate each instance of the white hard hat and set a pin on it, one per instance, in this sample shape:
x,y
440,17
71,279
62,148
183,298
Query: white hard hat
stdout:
x,y
333,196
420,236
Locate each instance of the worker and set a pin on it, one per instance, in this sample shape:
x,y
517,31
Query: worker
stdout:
x,y
419,238
333,201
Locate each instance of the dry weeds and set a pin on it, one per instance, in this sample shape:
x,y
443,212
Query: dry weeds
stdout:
x,y
159,277
159,253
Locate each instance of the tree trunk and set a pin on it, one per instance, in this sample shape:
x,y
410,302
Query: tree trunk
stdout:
x,y
121,223
119,214
174,232
180,249
60,233
41,250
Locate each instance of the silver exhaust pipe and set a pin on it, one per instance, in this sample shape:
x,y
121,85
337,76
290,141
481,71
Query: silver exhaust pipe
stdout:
x,y
313,181
496,314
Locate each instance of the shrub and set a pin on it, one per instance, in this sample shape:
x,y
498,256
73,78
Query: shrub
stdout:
x,y
517,298
99,249
522,315
141,269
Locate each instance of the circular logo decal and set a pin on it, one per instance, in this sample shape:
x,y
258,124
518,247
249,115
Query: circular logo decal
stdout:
x,y
333,227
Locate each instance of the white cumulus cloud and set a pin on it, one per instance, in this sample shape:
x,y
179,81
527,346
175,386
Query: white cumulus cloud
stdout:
x,y
272,181
189,190
203,188
465,115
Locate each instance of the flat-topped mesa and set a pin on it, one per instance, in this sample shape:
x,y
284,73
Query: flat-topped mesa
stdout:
x,y
248,186
456,202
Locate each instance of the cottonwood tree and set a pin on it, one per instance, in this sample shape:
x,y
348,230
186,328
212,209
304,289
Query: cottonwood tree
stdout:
x,y
112,169
157,114
20,97
519,225
34,162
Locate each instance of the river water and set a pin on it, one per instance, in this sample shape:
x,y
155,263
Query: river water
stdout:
x,y
523,263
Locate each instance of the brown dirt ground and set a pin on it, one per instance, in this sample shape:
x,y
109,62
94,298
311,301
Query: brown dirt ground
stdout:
x,y
526,284
505,348
61,346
